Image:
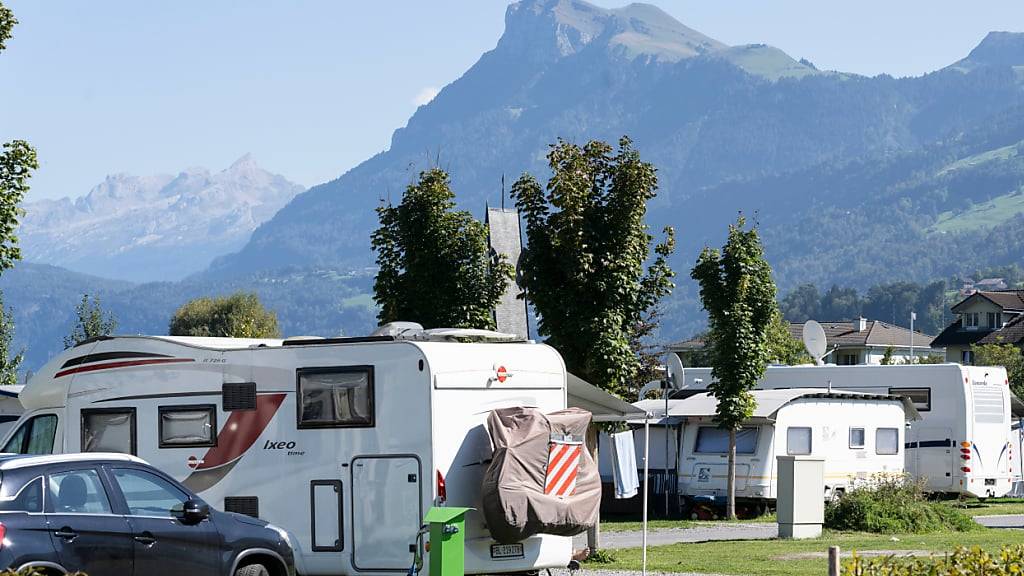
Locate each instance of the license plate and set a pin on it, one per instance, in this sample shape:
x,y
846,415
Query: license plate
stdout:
x,y
506,551
990,481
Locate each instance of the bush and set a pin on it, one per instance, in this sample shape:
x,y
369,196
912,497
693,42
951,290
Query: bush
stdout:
x,y
1010,560
893,504
600,556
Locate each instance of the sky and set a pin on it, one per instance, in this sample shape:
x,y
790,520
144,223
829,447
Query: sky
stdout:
x,y
313,87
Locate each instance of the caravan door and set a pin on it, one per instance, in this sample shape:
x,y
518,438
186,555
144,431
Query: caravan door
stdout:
x,y
932,450
386,511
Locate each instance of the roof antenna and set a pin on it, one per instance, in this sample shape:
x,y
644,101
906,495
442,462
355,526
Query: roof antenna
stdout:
x,y
503,192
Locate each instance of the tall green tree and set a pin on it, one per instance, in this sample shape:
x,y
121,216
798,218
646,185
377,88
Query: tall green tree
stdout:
x,y
738,292
91,321
9,364
1007,356
17,161
584,267
240,315
435,263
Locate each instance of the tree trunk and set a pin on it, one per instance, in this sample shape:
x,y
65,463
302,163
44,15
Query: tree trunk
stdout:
x,y
730,505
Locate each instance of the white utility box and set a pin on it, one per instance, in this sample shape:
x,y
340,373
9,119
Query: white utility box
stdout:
x,y
800,506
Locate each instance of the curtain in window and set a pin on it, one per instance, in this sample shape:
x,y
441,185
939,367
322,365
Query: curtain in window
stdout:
x,y
336,398
187,427
107,432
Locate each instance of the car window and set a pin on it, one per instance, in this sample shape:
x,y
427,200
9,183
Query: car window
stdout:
x,y
148,494
78,492
29,498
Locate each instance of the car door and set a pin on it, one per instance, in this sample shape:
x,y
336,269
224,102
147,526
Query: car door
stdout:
x,y
164,544
88,536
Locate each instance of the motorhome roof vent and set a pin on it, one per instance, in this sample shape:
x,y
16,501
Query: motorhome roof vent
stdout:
x,y
397,329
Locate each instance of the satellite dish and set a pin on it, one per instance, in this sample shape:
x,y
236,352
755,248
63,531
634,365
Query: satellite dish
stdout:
x,y
815,341
674,367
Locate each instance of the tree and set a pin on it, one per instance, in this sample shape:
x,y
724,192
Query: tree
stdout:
x,y
802,303
1005,355
783,347
435,265
9,365
240,315
887,359
584,265
92,322
738,292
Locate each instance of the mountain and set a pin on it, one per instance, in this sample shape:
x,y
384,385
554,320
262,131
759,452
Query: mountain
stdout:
x,y
705,113
154,227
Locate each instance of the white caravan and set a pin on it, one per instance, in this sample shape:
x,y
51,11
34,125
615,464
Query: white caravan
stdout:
x,y
961,444
345,443
858,436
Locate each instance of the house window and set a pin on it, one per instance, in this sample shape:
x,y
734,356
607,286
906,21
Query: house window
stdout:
x,y
971,320
188,426
992,320
920,397
108,430
848,359
887,441
715,440
335,397
798,441
856,437
967,357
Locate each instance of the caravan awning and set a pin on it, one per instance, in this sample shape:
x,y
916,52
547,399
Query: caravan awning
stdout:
x,y
604,406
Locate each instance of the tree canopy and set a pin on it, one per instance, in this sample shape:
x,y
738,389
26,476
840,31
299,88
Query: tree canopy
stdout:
x,y
9,363
584,267
435,264
91,321
1007,356
240,315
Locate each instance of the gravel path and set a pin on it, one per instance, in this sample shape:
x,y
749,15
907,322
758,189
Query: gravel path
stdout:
x,y
1001,521
703,533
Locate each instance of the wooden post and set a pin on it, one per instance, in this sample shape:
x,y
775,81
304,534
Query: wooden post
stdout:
x,y
833,561
593,534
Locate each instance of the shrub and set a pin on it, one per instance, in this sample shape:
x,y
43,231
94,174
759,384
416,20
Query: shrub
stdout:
x,y
600,556
892,504
1010,560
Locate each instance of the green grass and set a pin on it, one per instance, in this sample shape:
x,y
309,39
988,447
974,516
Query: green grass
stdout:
x,y
627,523
762,557
358,301
980,216
991,507
996,155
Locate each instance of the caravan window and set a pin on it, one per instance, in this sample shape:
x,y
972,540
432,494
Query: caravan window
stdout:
x,y
34,437
887,441
188,426
714,440
108,430
920,397
856,437
335,397
798,441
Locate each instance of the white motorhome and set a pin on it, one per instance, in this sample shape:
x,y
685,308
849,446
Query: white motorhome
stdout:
x,y
961,444
10,406
345,443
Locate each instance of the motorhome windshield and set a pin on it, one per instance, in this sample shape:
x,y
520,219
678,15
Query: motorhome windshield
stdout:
x,y
714,440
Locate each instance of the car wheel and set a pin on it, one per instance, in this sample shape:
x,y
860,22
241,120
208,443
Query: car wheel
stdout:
x,y
253,570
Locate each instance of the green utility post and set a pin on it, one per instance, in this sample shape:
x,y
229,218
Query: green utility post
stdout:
x,y
447,540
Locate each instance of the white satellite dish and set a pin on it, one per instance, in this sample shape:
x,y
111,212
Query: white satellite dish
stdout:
x,y
815,341
674,367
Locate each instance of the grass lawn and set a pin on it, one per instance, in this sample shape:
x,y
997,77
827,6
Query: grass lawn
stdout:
x,y
991,507
626,523
762,557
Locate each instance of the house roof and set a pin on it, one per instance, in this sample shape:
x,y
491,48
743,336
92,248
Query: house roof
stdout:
x,y
953,335
769,402
876,333
1005,299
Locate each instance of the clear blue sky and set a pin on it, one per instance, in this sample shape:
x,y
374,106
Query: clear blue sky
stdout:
x,y
312,88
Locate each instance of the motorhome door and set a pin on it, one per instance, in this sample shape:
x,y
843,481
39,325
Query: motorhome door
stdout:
x,y
933,455
386,511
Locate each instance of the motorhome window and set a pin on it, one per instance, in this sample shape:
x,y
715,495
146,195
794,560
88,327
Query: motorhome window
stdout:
x,y
188,426
798,441
887,441
108,430
335,397
920,397
148,494
28,499
715,440
78,492
34,437
856,437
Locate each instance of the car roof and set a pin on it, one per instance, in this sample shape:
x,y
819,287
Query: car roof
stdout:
x,y
15,461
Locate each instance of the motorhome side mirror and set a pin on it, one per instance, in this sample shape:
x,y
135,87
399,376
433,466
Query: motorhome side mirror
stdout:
x,y
194,511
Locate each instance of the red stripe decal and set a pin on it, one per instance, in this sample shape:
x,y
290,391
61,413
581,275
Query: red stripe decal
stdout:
x,y
124,364
241,431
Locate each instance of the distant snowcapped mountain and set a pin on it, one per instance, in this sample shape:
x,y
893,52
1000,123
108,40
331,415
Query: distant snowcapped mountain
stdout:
x,y
154,227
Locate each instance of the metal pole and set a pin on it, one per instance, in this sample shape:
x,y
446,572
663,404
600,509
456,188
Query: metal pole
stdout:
x,y
912,317
664,483
647,443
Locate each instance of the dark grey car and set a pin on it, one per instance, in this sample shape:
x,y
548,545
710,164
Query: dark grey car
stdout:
x,y
115,515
